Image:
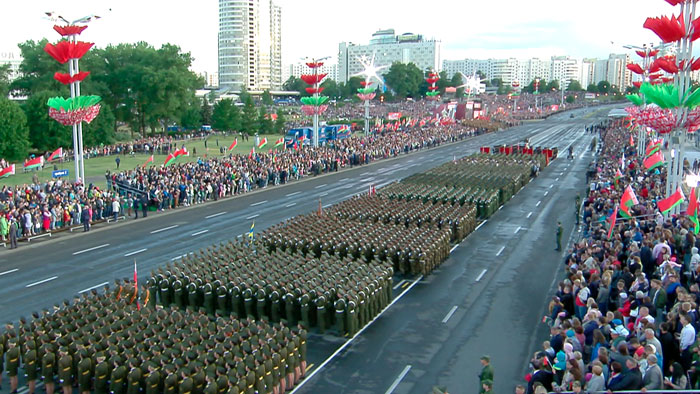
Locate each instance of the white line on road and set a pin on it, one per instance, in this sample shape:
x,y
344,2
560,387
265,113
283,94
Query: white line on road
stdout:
x,y
178,257
538,203
41,281
135,252
481,275
551,186
449,314
481,224
342,180
199,232
501,207
258,203
293,194
500,251
398,380
165,229
517,229
327,205
215,215
323,194
240,236
529,214
89,249
547,192
556,180
93,287
320,186
290,205
9,272
399,284
349,341
453,248
252,216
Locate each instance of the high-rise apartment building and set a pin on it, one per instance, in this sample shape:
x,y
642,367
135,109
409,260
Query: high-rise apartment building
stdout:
x,y
250,45
524,71
298,69
587,75
387,48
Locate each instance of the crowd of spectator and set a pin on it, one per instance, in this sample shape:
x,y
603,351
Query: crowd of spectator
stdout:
x,y
625,315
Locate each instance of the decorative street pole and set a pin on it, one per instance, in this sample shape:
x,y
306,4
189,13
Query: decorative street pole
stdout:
x,y
316,104
367,92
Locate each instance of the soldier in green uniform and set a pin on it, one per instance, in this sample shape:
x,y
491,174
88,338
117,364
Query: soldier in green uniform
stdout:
x,y
48,366
30,368
171,380
85,372
153,379
117,378
134,378
486,374
186,383
65,371
102,372
560,231
577,208
12,356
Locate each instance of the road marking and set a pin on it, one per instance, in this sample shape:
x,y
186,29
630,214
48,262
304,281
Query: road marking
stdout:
x,y
349,341
342,180
323,194
481,275
501,207
258,203
215,215
481,224
551,186
41,281
320,186
93,287
89,249
178,257
239,235
398,380
327,205
9,272
547,192
538,203
529,214
309,368
453,248
165,228
199,232
399,284
449,314
500,251
403,286
556,180
517,229
135,252
290,205
252,216
293,194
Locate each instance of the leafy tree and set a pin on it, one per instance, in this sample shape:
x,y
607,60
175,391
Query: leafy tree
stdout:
x,y
481,75
570,99
497,82
279,127
350,88
100,130
248,120
504,89
530,88
14,134
4,80
267,97
404,80
205,112
443,82
264,122
294,84
633,90
330,89
44,132
552,85
191,119
592,88
574,86
225,116
603,87
456,80
37,70
243,96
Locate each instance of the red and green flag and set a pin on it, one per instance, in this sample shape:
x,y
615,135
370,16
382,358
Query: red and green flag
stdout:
x,y
654,161
613,219
262,143
57,154
150,160
692,210
34,163
628,200
7,171
170,159
181,152
671,201
618,175
233,144
653,148
279,142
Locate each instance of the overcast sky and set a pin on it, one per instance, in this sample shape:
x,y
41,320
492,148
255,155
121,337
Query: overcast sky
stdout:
x,y
313,28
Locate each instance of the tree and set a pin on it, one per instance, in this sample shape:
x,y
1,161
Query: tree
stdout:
x,y
249,117
497,82
243,96
570,99
44,132
264,122
443,82
632,90
552,86
37,70
280,123
267,97
574,86
225,116
205,112
350,88
592,88
4,80
603,87
100,130
294,84
530,88
330,89
14,134
456,80
504,89
191,118
404,80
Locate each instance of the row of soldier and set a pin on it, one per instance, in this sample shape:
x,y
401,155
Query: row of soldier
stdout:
x,y
276,286
113,346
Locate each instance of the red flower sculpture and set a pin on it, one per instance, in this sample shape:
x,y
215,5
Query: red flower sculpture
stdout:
x,y
314,64
69,30
696,29
365,83
668,30
66,50
431,80
314,90
312,79
67,79
635,68
667,64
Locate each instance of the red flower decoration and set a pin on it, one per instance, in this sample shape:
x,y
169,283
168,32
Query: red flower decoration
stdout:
x,y
695,65
431,80
69,30
668,30
67,79
314,90
696,29
667,64
674,2
312,79
637,84
635,68
653,77
65,50
314,64
365,84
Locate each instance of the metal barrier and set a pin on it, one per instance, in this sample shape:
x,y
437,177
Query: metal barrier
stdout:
x,y
29,239
109,220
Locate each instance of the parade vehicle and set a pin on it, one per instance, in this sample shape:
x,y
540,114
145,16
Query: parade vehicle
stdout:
x,y
337,132
304,136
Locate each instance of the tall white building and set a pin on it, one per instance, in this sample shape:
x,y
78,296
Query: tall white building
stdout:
x,y
523,71
250,45
298,69
587,75
564,70
387,48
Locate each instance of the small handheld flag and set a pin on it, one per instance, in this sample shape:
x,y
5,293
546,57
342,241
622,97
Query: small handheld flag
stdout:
x,y
57,154
251,232
150,160
233,145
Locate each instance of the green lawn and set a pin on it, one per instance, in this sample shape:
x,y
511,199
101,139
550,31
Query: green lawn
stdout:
x,y
96,167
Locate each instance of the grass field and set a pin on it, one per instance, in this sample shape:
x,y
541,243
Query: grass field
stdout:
x,y
95,168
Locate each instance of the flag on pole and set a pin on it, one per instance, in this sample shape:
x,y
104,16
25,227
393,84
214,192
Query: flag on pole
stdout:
x,y
150,160
622,160
631,140
671,201
618,175
252,153
262,143
233,144
654,161
136,286
7,171
628,200
613,219
653,148
170,159
34,163
57,154
250,233
181,152
692,210
279,142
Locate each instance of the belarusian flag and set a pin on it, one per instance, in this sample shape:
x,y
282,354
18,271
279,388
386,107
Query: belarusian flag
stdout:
x,y
671,201
618,175
150,160
34,163
301,139
57,154
653,161
628,200
170,159
692,210
7,171
613,219
653,147
252,153
279,142
262,143
233,144
181,152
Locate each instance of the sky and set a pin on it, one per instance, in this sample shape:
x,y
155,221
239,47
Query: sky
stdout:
x,y
314,28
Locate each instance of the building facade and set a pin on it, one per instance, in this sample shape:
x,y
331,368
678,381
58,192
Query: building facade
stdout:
x,y
387,48
250,45
298,69
14,60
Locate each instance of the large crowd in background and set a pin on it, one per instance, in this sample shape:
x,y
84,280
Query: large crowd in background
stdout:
x,y
625,315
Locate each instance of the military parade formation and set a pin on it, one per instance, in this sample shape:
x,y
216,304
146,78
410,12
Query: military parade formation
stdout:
x,y
233,318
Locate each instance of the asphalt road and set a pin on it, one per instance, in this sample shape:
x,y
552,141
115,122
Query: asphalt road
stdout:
x,y
498,278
